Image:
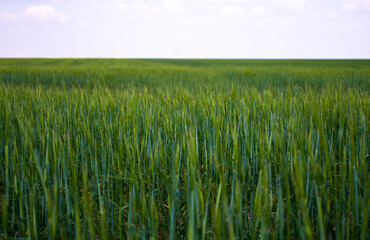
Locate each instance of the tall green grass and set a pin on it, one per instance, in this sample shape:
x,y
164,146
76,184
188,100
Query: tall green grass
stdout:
x,y
176,149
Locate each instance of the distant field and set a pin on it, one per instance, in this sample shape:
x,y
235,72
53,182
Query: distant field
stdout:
x,y
157,74
184,149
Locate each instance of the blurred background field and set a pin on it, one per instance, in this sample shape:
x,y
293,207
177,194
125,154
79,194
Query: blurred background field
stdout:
x,y
191,74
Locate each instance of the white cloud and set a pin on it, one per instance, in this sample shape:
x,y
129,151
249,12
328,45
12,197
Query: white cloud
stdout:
x,y
290,4
243,1
333,15
233,11
8,16
258,11
83,22
351,26
356,5
45,13
173,5
130,10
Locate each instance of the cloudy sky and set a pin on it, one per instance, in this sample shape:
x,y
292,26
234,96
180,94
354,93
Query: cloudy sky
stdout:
x,y
185,28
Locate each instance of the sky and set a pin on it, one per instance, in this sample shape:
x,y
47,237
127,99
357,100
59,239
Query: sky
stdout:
x,y
185,28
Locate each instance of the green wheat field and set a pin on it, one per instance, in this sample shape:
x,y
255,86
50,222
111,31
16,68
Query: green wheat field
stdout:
x,y
184,149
